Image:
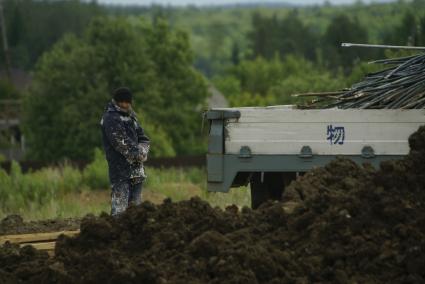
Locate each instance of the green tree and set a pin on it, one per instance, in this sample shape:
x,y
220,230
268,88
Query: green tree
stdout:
x,y
271,36
294,37
421,36
262,35
406,33
263,82
72,83
8,91
235,54
343,29
179,91
34,26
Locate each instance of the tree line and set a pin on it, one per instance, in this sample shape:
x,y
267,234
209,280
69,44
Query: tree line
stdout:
x,y
78,52
221,36
287,56
271,36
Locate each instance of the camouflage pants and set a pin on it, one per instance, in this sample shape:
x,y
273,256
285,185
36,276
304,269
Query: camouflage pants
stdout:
x,y
124,194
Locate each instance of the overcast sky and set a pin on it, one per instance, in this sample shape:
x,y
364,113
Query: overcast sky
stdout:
x,y
218,2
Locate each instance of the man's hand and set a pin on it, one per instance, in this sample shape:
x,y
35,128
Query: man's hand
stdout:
x,y
144,149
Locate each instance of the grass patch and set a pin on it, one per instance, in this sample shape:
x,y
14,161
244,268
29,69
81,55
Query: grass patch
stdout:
x,y
64,191
181,184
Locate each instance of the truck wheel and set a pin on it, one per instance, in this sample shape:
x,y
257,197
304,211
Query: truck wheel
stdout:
x,y
270,187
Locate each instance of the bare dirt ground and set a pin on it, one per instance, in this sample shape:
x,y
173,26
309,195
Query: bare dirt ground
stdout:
x,y
14,224
339,224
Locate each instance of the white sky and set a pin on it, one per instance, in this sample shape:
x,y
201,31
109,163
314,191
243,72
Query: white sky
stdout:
x,y
218,2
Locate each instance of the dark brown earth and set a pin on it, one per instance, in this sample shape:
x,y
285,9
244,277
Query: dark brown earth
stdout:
x,y
14,224
339,224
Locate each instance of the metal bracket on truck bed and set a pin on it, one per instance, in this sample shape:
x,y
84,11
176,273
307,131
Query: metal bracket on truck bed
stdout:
x,y
222,114
216,142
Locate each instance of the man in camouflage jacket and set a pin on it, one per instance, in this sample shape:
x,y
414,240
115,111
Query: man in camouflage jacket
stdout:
x,y
126,147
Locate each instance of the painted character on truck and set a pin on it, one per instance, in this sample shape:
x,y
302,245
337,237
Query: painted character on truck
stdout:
x,y
126,147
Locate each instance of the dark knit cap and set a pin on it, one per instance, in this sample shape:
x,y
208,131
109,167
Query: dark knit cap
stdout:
x,y
123,94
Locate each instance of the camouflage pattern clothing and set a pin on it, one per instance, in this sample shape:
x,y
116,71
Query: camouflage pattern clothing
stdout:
x,y
126,147
124,194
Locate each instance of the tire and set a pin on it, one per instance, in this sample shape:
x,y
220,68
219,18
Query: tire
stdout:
x,y
271,187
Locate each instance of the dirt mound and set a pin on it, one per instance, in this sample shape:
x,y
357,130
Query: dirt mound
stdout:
x,y
14,224
343,223
28,265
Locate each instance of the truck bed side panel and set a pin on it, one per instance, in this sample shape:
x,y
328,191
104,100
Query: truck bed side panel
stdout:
x,y
327,132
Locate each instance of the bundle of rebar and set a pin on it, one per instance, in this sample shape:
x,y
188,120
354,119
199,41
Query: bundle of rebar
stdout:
x,y
402,86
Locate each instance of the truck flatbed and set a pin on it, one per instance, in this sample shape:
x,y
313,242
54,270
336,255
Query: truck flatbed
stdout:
x,y
250,141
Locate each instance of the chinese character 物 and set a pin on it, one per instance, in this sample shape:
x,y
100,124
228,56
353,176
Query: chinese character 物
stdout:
x,y
336,135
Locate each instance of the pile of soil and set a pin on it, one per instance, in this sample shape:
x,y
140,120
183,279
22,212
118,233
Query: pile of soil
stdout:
x,y
343,223
14,224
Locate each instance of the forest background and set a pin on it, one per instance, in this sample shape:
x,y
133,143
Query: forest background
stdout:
x,y
78,52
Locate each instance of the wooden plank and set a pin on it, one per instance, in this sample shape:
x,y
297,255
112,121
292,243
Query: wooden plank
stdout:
x,y
41,246
35,237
